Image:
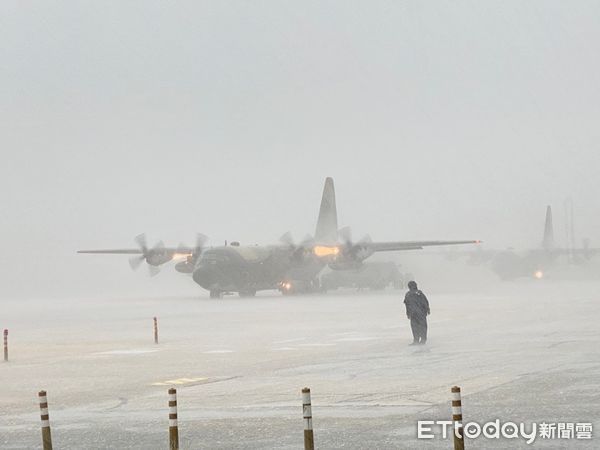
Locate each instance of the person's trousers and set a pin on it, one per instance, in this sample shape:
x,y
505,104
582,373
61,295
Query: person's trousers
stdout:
x,y
419,328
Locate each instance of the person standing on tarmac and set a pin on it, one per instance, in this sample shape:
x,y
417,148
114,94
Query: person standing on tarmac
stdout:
x,y
417,310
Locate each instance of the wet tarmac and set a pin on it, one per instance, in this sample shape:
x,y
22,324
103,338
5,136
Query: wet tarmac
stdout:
x,y
520,351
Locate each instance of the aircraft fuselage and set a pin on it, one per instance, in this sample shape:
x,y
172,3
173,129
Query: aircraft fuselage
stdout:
x,y
247,269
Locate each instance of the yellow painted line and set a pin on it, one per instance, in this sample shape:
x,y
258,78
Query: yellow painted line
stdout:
x,y
179,381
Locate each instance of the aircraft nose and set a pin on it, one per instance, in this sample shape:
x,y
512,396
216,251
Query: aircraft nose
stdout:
x,y
206,276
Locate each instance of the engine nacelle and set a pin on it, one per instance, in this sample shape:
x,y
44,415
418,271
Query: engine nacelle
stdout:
x,y
157,259
351,257
185,267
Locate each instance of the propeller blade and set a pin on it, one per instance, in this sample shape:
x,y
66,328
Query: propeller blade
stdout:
x,y
308,241
287,239
136,261
201,240
345,235
142,242
153,270
366,239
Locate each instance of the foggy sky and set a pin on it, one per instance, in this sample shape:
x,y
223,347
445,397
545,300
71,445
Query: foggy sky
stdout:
x,y
446,120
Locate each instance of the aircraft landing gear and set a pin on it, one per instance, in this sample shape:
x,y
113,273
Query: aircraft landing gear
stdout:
x,y
216,294
248,293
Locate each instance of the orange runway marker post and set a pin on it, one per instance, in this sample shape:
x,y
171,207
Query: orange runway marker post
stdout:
x,y
155,331
173,427
5,345
457,419
309,439
46,436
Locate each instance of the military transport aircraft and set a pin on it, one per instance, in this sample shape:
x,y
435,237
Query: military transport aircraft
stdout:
x,y
534,262
286,266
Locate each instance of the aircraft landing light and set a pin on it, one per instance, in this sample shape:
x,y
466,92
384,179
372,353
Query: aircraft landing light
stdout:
x,y
321,250
538,274
180,255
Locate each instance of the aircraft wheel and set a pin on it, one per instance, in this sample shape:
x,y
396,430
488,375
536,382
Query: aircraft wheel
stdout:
x,y
315,285
216,294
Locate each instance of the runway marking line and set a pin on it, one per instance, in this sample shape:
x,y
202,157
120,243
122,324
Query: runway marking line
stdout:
x,y
287,341
180,381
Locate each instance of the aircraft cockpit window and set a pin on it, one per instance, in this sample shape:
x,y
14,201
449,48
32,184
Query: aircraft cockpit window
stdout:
x,y
253,253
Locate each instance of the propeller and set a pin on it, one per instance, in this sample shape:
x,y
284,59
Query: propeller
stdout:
x,y
345,235
200,240
189,264
287,239
153,270
197,251
154,256
350,248
157,250
136,261
298,251
308,241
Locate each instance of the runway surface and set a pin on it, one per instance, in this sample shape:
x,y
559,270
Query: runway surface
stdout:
x,y
525,351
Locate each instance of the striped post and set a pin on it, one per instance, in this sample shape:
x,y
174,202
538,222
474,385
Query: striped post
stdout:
x,y
155,331
309,439
457,419
173,429
5,345
46,436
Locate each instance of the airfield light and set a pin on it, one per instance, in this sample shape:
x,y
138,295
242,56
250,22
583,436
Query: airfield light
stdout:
x,y
539,274
321,251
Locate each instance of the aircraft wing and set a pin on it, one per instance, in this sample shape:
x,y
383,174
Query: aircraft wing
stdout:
x,y
137,251
412,245
118,251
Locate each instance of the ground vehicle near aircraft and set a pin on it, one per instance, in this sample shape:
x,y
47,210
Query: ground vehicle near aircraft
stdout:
x,y
370,275
285,266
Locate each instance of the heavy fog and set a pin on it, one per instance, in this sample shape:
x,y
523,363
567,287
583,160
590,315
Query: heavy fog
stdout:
x,y
436,120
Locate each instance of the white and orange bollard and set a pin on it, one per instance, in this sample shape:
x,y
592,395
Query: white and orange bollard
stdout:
x,y
173,427
46,436
155,330
309,439
5,345
457,419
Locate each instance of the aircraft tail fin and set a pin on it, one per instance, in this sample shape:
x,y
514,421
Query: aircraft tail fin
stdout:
x,y
326,232
548,242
